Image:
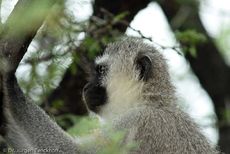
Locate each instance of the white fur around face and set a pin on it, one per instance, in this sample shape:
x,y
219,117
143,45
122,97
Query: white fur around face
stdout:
x,y
124,92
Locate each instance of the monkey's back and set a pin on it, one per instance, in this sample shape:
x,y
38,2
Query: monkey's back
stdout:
x,y
166,131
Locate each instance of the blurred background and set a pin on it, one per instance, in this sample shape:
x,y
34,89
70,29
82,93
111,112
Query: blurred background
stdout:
x,y
193,35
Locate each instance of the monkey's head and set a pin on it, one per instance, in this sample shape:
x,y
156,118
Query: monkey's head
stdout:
x,y
130,73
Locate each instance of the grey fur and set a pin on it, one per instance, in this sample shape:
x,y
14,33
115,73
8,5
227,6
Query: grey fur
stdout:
x,y
28,127
151,118
155,123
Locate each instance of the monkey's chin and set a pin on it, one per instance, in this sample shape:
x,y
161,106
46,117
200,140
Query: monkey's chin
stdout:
x,y
95,115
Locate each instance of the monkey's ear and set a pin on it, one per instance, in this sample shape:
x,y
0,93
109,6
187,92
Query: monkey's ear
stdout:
x,y
144,65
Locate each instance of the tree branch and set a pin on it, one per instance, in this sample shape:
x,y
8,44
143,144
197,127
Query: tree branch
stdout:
x,y
0,12
21,27
17,34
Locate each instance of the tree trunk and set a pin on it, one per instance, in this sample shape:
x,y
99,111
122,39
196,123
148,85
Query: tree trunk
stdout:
x,y
16,36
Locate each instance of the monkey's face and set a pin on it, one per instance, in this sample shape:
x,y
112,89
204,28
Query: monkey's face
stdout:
x,y
94,92
122,75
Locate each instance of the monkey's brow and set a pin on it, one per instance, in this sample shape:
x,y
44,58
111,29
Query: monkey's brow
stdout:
x,y
102,59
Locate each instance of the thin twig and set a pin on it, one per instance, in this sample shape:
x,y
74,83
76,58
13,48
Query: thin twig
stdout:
x,y
0,12
127,24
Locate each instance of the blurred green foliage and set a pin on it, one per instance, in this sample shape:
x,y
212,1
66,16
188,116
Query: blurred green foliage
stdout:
x,y
86,127
189,39
223,42
190,3
83,125
226,115
115,146
29,11
92,45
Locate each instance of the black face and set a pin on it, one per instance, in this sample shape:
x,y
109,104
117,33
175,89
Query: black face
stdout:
x,y
94,93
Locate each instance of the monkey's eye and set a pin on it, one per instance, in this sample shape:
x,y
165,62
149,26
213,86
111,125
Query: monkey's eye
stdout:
x,y
101,69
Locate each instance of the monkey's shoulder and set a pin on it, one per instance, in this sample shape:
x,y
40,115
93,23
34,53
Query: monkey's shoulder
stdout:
x,y
150,115
163,130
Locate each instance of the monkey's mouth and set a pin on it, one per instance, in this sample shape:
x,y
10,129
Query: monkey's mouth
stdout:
x,y
95,96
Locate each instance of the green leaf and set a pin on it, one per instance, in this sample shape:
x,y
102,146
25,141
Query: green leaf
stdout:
x,y
192,51
58,104
189,39
84,126
120,16
92,47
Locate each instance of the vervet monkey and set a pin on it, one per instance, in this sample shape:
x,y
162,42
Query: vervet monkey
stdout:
x,y
130,88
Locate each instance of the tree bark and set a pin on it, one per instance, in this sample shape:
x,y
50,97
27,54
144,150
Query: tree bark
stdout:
x,y
15,37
